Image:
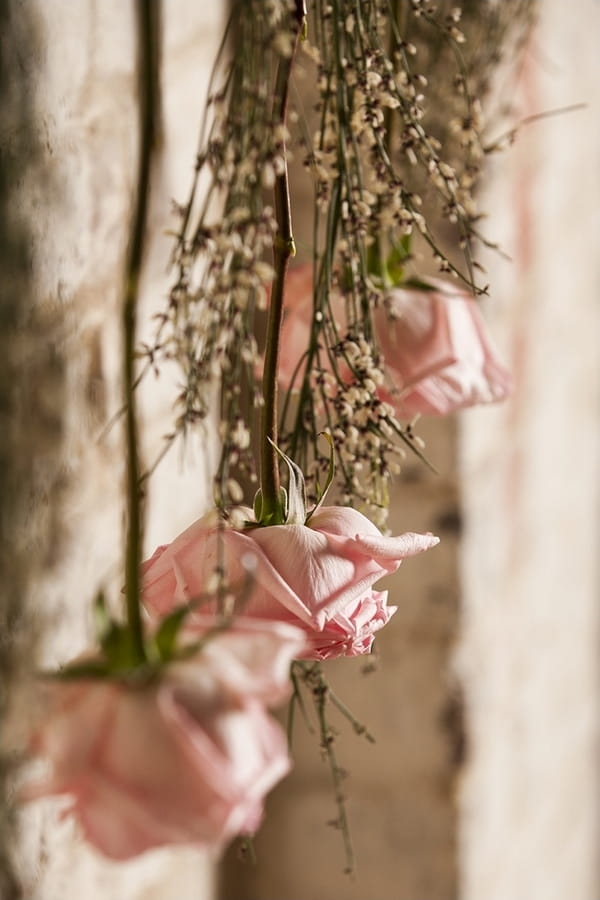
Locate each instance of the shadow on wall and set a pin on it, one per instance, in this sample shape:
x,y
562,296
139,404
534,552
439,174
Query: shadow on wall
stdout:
x,y
31,389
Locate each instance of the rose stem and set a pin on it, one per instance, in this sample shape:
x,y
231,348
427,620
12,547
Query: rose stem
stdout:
x,y
283,249
147,35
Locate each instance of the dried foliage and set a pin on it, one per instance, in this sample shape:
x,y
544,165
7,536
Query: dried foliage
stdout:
x,y
392,145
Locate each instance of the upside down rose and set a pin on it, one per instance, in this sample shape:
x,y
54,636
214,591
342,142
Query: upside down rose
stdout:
x,y
186,758
318,577
438,354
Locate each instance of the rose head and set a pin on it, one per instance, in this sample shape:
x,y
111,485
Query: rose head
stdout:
x,y
318,577
184,759
438,355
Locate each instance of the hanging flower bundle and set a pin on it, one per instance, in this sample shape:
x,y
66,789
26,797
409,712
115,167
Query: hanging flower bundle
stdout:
x,y
161,735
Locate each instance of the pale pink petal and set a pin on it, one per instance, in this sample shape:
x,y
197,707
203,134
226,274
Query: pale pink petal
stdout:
x,y
305,558
185,759
118,825
416,341
342,520
246,756
194,561
315,577
438,354
253,657
395,548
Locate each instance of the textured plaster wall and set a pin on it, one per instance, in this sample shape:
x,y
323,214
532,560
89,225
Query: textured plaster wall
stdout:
x,y
73,202
530,826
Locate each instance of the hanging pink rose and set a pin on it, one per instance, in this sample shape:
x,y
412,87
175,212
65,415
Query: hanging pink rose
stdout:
x,y
184,759
319,576
438,355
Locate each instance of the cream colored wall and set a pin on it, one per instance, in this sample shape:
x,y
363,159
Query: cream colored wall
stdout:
x,y
77,201
529,657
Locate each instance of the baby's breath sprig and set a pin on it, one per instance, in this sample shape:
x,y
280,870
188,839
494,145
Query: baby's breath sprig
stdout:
x,y
371,140
392,177
394,169
225,239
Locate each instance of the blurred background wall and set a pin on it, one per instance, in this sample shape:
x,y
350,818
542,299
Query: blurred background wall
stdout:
x,y
69,143
493,800
530,475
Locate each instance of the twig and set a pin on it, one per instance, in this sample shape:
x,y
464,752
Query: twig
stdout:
x,y
511,134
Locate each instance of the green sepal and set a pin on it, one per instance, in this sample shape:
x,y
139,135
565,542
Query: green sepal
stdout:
x,y
116,657
418,285
376,267
102,619
115,639
275,517
396,262
295,509
321,494
164,640
91,668
257,505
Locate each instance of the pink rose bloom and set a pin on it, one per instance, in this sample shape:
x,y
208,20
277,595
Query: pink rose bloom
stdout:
x,y
184,759
438,354
319,576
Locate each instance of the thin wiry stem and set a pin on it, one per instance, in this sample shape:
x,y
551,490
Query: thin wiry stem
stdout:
x,y
147,32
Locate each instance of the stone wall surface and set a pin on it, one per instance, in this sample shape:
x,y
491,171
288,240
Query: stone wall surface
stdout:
x,y
530,826
75,203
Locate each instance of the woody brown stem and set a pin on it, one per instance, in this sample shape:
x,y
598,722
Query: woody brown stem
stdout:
x,y
283,249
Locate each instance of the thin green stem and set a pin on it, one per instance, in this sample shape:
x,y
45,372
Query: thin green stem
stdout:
x,y
283,249
147,31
